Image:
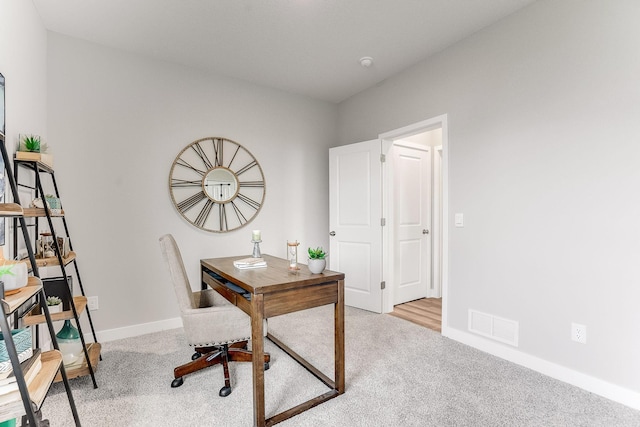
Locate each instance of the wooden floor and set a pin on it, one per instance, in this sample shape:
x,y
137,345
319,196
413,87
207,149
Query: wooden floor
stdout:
x,y
425,312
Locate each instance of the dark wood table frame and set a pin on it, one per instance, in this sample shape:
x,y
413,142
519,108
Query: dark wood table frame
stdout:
x,y
275,290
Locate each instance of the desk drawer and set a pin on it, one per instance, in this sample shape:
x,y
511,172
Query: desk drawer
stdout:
x,y
278,303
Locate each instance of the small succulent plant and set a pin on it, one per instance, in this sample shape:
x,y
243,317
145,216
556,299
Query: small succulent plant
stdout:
x,y
7,269
31,143
54,301
317,253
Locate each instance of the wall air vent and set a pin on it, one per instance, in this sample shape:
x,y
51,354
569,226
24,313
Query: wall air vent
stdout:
x,y
494,327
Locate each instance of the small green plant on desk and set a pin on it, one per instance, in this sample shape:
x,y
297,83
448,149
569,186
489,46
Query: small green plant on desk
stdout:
x,y
317,261
317,253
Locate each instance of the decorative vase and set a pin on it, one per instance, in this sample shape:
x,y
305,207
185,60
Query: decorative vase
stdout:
x,y
69,342
54,202
317,265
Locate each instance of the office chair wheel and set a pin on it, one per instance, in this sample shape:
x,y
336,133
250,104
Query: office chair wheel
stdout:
x,y
177,382
195,355
225,391
266,366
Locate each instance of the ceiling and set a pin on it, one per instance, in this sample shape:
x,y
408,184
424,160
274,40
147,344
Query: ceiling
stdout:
x,y
308,47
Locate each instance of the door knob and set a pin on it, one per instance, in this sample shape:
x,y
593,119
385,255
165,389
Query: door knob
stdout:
x,y
425,231
333,233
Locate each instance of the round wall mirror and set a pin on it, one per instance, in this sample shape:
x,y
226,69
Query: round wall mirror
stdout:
x,y
220,184
216,184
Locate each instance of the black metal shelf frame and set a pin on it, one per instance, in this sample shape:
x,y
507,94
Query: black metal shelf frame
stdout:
x,y
39,168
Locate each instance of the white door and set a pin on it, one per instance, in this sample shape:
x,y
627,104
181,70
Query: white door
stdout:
x,y
412,222
355,206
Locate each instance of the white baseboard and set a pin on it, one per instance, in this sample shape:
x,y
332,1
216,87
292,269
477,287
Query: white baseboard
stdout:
x,y
136,330
600,387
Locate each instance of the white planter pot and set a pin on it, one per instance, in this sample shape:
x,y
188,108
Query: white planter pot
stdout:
x,y
317,266
55,308
16,280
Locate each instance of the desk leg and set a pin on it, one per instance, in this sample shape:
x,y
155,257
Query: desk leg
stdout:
x,y
257,349
339,338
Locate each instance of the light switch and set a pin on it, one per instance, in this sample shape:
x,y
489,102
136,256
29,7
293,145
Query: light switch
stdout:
x,y
459,220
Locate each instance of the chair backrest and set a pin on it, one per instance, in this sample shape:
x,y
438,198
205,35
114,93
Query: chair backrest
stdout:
x,y
173,259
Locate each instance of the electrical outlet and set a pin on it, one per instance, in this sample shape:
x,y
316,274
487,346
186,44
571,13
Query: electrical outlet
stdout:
x,y
579,333
92,303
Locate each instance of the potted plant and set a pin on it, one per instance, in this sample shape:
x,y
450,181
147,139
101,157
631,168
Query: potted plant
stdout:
x,y
31,143
14,276
54,304
317,260
31,148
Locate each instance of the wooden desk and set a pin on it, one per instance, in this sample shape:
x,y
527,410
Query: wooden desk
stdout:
x,y
275,290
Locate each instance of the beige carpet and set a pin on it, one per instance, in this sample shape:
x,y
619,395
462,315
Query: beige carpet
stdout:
x,y
397,374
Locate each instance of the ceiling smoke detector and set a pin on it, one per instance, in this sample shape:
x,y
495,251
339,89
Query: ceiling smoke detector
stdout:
x,y
366,61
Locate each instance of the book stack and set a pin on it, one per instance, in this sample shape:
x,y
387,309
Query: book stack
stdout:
x,y
8,383
249,263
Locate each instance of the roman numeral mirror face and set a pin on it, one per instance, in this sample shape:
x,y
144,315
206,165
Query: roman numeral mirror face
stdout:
x,y
217,185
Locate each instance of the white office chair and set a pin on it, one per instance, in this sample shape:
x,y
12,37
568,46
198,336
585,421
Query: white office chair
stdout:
x,y
217,329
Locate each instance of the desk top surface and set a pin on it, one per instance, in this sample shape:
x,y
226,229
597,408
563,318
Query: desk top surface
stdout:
x,y
275,277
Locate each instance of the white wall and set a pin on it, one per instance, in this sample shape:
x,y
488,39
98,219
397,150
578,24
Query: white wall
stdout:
x,y
117,122
23,44
543,114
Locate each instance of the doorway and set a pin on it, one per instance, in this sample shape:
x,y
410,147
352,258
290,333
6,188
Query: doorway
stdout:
x,y
432,136
412,213
361,200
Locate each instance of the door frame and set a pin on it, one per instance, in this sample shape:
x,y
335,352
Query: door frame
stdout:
x,y
387,139
436,222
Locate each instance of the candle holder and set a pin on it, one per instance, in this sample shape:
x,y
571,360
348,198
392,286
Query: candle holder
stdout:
x,y
292,255
256,248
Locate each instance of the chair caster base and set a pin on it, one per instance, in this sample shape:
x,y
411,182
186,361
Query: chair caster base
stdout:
x,y
177,382
225,391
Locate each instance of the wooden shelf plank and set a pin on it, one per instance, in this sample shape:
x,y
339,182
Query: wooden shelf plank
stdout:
x,y
38,213
44,161
82,369
44,262
11,209
12,302
14,408
35,318
51,361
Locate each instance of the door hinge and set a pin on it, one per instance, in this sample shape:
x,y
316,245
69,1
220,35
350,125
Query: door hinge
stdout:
x,y
383,284
383,222
383,158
